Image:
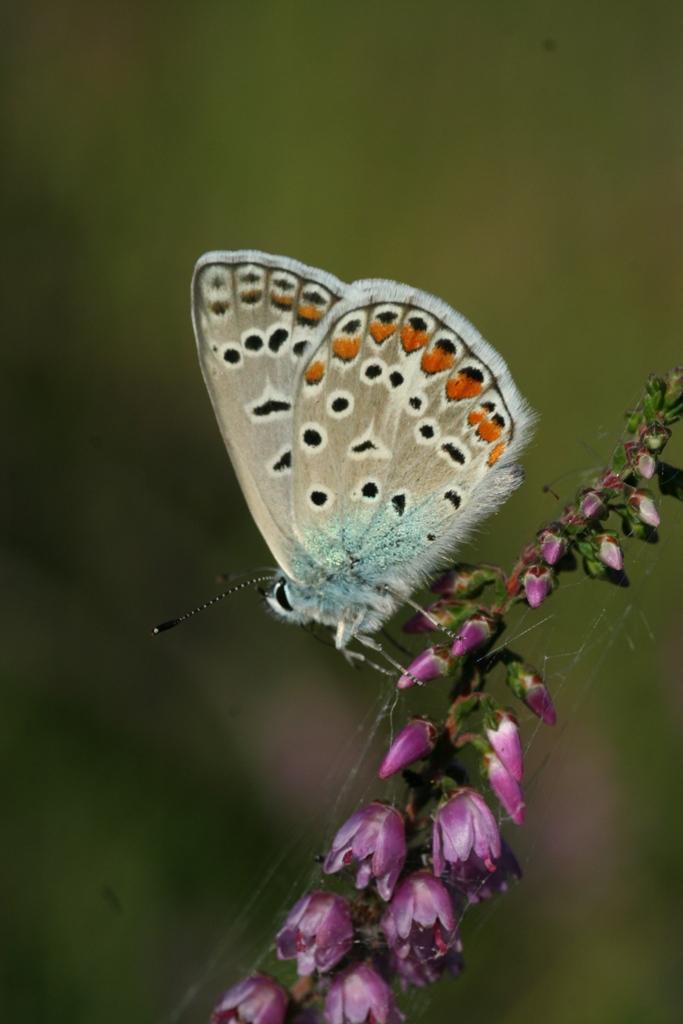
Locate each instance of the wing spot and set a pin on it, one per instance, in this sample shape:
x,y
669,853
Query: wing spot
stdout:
x,y
415,402
370,489
454,452
346,349
284,284
364,446
496,453
277,339
427,430
220,308
319,498
351,326
315,372
232,355
254,342
250,277
299,347
466,384
315,297
283,463
396,379
373,371
251,297
441,357
431,536
399,503
272,405
454,498
313,438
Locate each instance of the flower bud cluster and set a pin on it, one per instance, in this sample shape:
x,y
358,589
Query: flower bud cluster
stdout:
x,y
417,867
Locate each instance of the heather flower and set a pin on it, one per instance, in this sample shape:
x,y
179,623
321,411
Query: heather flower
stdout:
x,y
374,837
504,739
553,543
527,685
472,881
413,743
472,634
641,459
644,508
257,1000
318,932
464,826
609,551
428,665
421,929
359,995
591,504
506,787
538,584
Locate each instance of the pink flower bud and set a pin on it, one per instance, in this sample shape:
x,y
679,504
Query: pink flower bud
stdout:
x,y
428,665
609,552
553,544
413,743
538,584
465,831
641,459
375,838
506,743
257,1000
472,634
642,505
591,504
318,932
359,995
538,700
527,685
506,788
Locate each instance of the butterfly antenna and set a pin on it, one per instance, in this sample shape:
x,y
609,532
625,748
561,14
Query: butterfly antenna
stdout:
x,y
230,577
428,615
163,626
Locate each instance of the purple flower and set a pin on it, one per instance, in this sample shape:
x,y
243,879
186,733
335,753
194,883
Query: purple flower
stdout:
x,y
527,685
644,508
421,929
413,743
359,995
591,504
431,664
472,634
318,932
553,544
506,788
641,459
464,826
257,1000
609,552
538,584
472,881
375,837
506,743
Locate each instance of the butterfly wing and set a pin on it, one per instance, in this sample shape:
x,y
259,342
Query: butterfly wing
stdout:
x,y
405,429
256,318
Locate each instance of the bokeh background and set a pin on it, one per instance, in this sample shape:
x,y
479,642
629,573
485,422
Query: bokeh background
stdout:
x,y
162,800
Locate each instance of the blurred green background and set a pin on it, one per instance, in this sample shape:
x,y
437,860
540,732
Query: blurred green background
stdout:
x,y
163,800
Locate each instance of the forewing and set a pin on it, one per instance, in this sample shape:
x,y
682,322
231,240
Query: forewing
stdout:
x,y
256,319
405,427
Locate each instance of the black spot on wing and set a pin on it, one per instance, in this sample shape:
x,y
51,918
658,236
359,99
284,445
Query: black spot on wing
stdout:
x,y
399,503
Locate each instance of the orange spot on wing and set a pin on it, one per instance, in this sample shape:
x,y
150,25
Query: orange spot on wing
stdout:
x,y
437,360
488,429
496,453
380,332
346,348
412,339
315,372
310,312
283,300
462,386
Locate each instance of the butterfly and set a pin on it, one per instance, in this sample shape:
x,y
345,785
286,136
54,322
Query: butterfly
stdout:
x,y
369,424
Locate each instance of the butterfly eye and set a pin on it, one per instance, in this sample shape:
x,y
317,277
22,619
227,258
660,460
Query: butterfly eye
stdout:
x,y
281,596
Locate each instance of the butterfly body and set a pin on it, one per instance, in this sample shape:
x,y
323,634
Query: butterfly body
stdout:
x,y
370,426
